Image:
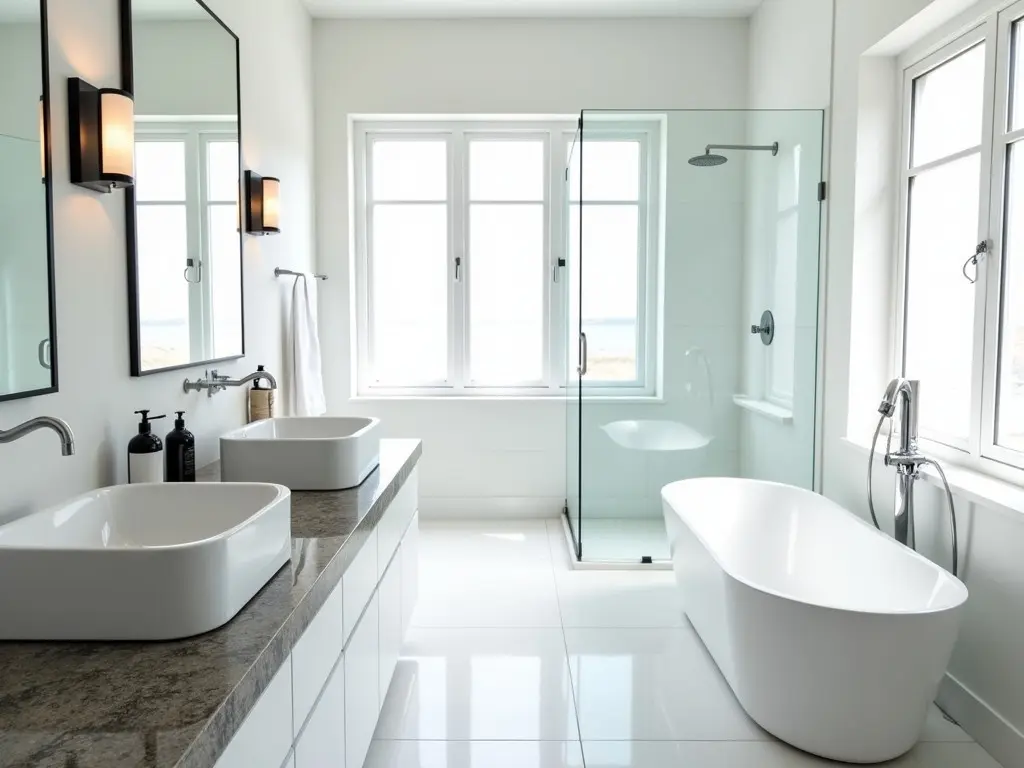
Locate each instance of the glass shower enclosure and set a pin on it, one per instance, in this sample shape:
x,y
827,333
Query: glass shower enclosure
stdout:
x,y
693,242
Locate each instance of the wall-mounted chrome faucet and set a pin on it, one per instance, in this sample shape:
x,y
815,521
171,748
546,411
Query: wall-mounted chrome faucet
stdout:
x,y
907,460
67,437
214,382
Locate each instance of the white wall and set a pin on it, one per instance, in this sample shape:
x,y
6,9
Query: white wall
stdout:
x,y
986,688
479,455
97,396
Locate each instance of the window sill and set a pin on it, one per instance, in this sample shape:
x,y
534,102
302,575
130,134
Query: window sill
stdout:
x,y
965,482
627,399
765,409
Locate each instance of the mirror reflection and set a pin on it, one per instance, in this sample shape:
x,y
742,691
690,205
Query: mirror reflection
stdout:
x,y
26,339
187,261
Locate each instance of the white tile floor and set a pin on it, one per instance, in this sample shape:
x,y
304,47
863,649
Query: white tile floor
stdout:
x,y
517,661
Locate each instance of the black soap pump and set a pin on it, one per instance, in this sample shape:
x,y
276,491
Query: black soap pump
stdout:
x,y
146,453
180,453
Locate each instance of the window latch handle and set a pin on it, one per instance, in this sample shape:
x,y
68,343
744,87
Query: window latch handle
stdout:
x,y
458,268
559,264
980,251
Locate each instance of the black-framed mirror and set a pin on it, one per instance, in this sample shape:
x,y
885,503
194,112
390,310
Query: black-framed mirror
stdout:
x,y
28,305
185,294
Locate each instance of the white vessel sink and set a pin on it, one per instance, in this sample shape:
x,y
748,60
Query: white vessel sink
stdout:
x,y
305,454
141,562
656,435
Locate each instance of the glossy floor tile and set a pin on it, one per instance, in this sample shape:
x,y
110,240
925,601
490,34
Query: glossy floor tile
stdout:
x,y
481,684
656,684
740,754
487,597
458,545
619,599
475,754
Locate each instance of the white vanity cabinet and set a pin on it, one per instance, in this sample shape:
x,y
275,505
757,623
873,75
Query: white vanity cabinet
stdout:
x,y
321,709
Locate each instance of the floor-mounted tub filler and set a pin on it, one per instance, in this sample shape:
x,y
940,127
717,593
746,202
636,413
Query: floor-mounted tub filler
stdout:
x,y
832,636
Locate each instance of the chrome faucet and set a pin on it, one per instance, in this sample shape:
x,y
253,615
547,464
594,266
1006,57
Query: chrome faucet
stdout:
x,y
214,382
907,461
67,437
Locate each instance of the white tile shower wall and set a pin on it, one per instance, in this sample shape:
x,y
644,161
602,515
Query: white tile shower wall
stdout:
x,y
781,274
986,691
488,457
97,394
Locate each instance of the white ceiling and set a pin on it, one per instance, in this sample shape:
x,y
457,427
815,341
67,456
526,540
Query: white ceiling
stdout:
x,y
426,9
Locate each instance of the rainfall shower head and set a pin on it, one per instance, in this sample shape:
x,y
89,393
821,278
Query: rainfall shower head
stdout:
x,y
708,160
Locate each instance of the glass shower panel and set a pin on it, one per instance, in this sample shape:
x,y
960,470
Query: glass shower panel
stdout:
x,y
691,224
570,284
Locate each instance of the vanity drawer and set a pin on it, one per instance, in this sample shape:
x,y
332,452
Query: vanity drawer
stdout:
x,y
396,519
359,582
265,737
315,654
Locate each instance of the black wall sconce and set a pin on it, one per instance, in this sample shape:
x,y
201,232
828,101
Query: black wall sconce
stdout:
x,y
101,128
263,204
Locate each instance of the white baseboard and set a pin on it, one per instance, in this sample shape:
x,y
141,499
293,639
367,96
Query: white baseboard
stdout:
x,y
986,726
490,507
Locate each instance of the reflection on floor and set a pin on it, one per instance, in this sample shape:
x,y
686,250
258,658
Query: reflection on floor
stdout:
x,y
518,661
624,539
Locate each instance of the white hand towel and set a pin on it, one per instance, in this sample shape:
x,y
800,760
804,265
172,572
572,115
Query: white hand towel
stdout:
x,y
307,374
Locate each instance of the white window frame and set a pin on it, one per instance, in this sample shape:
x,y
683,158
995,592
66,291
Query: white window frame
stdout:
x,y
196,136
557,135
979,450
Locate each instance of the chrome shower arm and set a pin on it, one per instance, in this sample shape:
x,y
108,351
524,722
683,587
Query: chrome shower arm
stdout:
x,y
773,148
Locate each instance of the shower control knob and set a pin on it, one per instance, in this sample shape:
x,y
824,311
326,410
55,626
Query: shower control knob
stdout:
x,y
766,330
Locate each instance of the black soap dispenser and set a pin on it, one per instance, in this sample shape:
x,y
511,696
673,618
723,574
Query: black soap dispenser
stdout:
x,y
146,453
180,453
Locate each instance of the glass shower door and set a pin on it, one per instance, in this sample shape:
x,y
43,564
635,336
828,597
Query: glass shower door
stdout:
x,y
688,226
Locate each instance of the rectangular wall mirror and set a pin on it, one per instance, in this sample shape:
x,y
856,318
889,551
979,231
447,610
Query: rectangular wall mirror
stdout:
x,y
28,348
184,240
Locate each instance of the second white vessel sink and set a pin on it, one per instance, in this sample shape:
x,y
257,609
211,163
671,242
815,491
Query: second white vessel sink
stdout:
x,y
304,454
141,562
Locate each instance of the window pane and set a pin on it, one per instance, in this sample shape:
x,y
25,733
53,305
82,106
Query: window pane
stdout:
x,y
611,171
225,271
159,171
163,292
409,293
506,293
943,232
1010,402
1017,80
949,106
506,170
222,171
410,170
609,271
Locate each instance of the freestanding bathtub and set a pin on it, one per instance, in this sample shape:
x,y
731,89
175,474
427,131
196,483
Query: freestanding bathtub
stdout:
x,y
833,637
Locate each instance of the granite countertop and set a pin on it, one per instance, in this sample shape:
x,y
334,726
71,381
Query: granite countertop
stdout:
x,y
177,704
